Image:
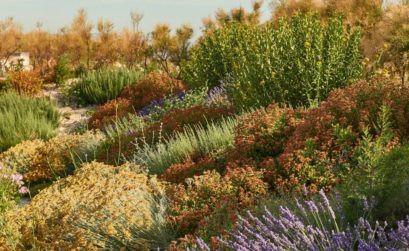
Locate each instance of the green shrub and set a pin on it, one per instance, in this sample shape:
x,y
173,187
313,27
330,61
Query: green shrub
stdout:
x,y
192,141
297,62
62,70
25,118
100,86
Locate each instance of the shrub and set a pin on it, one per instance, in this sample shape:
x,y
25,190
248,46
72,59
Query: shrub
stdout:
x,y
100,86
193,142
59,156
297,62
382,178
214,196
173,122
154,86
62,70
60,216
315,228
315,147
135,97
25,118
25,82
110,113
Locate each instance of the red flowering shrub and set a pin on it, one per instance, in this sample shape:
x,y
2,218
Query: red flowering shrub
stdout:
x,y
208,200
109,112
311,147
134,97
177,173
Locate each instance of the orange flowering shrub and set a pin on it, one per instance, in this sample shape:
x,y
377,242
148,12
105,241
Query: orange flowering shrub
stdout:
x,y
134,97
212,198
28,82
154,86
99,195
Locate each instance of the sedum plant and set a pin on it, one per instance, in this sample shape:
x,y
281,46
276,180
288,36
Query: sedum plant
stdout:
x,y
297,62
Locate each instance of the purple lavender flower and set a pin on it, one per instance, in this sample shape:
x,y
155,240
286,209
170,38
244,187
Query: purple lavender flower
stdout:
x,y
288,231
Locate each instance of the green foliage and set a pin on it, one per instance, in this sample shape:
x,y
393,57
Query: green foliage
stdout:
x,y
380,175
193,140
100,86
25,118
297,62
62,70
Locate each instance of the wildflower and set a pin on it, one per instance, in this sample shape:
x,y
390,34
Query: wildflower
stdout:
x,y
23,190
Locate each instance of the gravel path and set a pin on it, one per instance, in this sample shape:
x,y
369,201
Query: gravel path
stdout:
x,y
71,116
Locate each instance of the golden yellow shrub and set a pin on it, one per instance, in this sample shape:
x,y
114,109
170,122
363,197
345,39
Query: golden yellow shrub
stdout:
x,y
97,194
38,160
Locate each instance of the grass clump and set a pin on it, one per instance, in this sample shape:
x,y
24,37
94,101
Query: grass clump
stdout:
x,y
100,86
25,118
192,141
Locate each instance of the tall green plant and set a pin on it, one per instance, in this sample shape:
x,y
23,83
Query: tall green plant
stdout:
x,y
23,118
297,62
193,140
100,86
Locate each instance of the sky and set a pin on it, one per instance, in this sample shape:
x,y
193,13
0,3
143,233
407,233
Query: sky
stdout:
x,y
55,14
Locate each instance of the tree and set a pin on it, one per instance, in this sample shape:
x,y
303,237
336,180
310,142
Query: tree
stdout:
x,y
81,29
106,48
10,40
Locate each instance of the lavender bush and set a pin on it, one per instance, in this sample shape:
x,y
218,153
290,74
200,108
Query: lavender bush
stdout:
x,y
316,227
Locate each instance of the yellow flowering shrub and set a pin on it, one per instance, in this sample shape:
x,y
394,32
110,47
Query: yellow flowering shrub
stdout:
x,y
38,160
20,157
97,194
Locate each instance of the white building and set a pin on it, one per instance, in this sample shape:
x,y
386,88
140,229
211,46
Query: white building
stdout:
x,y
22,58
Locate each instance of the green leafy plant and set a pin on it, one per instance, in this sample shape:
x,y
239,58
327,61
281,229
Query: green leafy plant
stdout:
x,y
194,140
100,86
25,118
297,62
62,70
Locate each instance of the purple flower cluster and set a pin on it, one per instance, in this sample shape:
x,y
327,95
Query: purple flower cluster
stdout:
x,y
315,228
160,103
216,95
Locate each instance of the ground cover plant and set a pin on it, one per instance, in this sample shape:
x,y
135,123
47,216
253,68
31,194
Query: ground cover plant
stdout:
x,y
24,117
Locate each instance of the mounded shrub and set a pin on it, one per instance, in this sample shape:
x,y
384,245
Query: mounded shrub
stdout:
x,y
100,86
315,147
25,82
24,118
296,62
47,160
112,200
133,98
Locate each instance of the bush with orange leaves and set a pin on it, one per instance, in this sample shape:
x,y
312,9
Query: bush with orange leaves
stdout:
x,y
208,201
133,98
313,147
27,82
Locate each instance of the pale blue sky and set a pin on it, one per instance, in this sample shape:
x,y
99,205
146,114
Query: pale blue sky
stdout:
x,y
56,13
